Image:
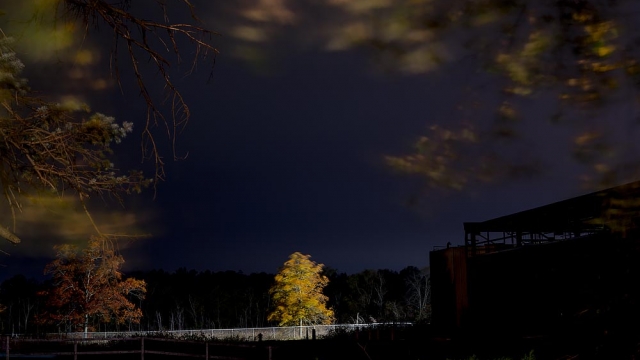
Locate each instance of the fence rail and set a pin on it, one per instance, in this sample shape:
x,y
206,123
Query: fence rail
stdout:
x,y
37,348
244,334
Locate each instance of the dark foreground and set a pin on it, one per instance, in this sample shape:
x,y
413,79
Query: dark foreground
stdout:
x,y
381,344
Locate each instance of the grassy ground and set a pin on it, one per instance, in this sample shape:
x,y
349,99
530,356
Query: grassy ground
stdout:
x,y
414,343
422,343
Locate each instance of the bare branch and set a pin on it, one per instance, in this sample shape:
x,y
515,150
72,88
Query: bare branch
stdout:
x,y
139,35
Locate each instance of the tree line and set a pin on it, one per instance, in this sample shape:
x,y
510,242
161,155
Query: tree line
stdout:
x,y
190,299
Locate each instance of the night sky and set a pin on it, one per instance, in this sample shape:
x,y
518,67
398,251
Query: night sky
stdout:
x,y
286,153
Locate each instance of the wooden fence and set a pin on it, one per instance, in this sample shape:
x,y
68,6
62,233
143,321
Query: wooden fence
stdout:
x,y
20,348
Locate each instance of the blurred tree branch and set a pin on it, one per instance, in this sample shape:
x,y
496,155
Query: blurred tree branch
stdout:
x,y
566,62
582,53
55,148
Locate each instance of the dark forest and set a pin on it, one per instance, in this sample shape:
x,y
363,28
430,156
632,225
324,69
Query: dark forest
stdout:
x,y
188,299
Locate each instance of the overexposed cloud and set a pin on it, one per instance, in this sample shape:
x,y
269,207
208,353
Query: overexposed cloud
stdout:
x,y
48,220
275,11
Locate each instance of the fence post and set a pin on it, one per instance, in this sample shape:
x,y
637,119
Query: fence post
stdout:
x,y
142,348
75,350
7,347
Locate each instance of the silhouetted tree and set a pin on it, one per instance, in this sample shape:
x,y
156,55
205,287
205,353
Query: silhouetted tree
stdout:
x,y
18,296
223,299
418,294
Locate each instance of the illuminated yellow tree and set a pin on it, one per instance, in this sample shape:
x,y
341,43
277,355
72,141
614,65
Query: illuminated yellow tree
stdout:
x,y
297,293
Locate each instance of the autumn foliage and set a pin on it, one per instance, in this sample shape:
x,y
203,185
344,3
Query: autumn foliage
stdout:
x,y
297,293
88,287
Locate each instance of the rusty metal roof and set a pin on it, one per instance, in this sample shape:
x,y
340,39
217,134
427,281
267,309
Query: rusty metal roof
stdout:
x,y
591,211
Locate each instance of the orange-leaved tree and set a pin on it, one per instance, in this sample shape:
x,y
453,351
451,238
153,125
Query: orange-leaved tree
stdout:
x,y
89,286
297,293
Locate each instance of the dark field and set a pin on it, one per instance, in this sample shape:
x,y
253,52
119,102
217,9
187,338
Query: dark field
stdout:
x,y
382,344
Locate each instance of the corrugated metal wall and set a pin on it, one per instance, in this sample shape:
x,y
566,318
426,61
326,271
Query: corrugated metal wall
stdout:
x,y
449,295
536,288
